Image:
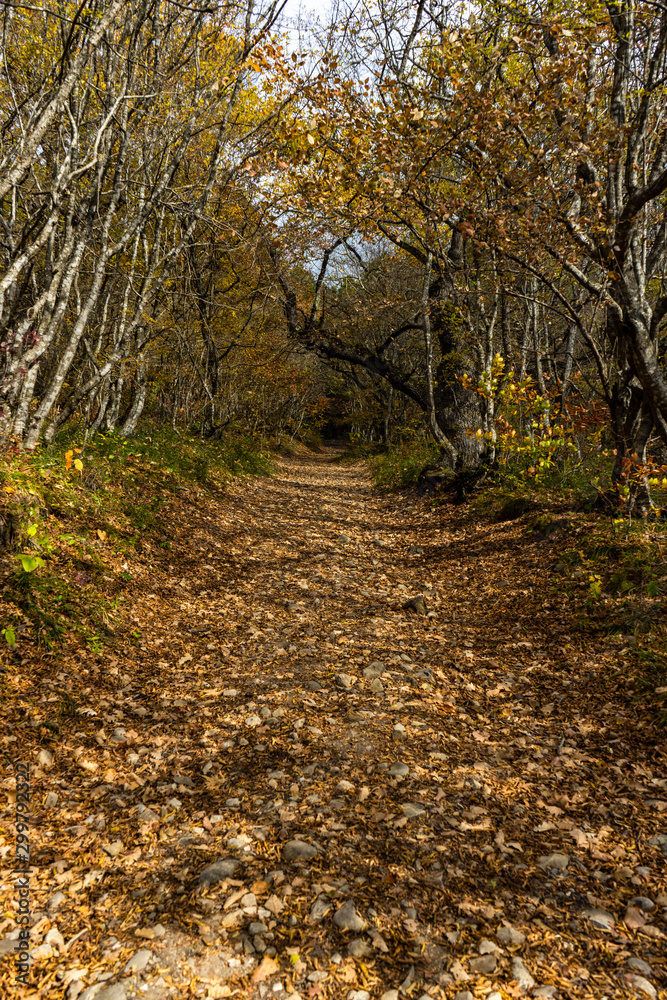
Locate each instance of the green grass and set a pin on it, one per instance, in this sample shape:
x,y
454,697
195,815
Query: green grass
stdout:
x,y
400,467
186,457
69,526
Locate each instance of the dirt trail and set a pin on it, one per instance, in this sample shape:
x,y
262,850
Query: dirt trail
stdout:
x,y
480,807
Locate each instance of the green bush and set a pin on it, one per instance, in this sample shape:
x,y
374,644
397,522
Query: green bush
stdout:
x,y
187,457
400,466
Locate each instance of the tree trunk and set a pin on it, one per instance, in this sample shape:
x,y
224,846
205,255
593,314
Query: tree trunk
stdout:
x,y
458,410
138,402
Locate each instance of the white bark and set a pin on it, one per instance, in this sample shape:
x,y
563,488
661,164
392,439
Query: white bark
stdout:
x,y
24,156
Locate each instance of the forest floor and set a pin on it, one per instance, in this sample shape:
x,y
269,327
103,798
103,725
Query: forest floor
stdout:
x,y
281,783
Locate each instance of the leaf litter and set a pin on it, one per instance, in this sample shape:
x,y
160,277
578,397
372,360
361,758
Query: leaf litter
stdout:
x,y
356,751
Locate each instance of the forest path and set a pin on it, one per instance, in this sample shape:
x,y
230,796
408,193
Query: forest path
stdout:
x,y
302,790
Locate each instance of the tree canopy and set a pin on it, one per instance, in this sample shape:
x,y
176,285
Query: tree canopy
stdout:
x,y
203,217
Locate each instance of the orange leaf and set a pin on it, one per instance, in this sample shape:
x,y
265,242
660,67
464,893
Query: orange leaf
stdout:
x,y
267,967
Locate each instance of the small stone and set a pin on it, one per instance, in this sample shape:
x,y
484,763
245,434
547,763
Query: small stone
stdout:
x,y
374,669
158,931
521,974
399,769
484,965
119,735
408,981
139,961
344,786
218,870
640,965
464,995
56,900
359,948
297,850
660,840
51,800
557,861
101,991
257,927
642,903
545,991
417,605
510,936
641,984
413,809
377,686
487,947
232,918
391,995
236,844
55,939
113,850
358,995
115,991
398,732
319,909
494,996
45,758
651,931
347,918
426,675
600,918
41,951
232,803
252,721
345,680
343,539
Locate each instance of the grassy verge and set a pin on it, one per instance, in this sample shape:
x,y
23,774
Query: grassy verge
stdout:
x,y
399,467
70,520
612,570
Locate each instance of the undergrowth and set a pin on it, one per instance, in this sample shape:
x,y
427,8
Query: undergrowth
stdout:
x,y
71,518
400,466
613,569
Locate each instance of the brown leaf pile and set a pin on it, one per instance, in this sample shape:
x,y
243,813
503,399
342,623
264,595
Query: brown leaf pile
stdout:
x,y
483,801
